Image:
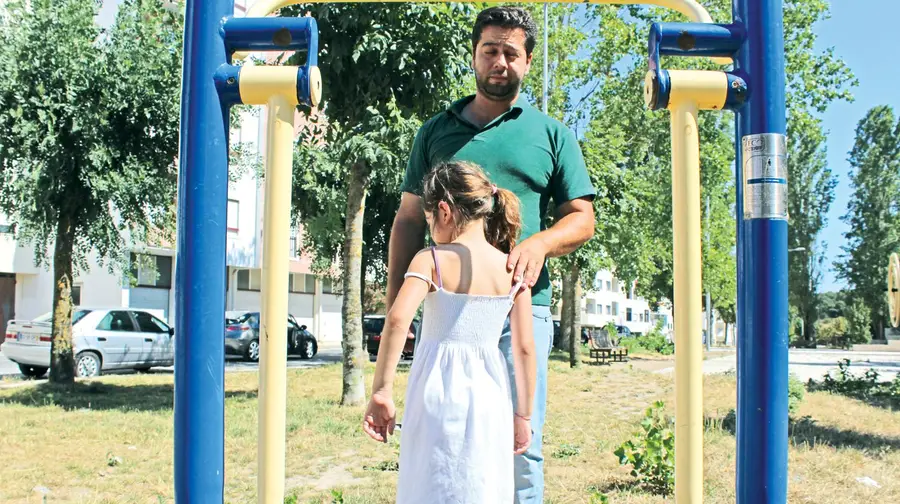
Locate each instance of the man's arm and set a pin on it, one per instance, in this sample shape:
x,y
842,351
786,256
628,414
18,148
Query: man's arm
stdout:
x,y
407,238
573,227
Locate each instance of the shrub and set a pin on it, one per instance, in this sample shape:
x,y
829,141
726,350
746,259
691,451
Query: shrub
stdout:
x,y
796,390
831,331
651,452
859,322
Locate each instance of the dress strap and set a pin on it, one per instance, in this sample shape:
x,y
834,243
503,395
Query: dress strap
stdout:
x,y
515,290
437,269
420,277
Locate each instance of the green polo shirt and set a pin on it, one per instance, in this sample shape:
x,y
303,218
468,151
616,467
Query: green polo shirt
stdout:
x,y
523,150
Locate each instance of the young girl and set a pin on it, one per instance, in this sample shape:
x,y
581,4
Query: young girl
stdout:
x,y
460,431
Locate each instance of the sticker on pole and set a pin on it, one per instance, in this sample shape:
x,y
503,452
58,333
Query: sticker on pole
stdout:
x,y
765,176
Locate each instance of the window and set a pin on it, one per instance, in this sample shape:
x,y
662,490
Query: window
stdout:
x,y
249,280
149,323
7,228
301,282
76,296
591,307
646,315
628,314
233,213
615,307
608,310
292,252
608,285
116,321
152,270
640,317
330,286
629,294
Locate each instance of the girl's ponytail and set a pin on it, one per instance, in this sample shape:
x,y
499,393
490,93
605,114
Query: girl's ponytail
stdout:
x,y
503,224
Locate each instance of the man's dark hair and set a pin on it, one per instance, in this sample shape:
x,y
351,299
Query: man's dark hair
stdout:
x,y
506,17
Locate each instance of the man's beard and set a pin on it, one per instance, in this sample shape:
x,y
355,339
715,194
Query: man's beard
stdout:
x,y
497,92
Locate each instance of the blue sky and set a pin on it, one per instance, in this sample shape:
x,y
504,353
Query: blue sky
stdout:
x,y
851,31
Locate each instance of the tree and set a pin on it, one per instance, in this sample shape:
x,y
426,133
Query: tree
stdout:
x,y
814,80
810,194
873,213
88,136
385,68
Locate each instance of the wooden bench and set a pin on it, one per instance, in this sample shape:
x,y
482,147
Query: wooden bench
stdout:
x,y
603,352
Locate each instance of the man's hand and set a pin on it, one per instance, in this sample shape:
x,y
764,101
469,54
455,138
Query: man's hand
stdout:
x,y
527,259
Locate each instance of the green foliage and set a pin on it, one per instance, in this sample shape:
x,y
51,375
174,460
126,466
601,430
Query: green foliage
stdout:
x,y
873,214
652,342
832,304
386,69
859,323
868,387
651,452
796,391
567,450
89,123
832,331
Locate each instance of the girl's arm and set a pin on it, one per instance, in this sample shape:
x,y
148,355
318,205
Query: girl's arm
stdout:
x,y
520,321
396,324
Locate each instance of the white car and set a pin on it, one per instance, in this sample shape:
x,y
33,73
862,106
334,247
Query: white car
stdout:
x,y
104,339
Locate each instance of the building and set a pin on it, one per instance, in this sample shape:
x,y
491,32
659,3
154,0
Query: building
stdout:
x,y
613,300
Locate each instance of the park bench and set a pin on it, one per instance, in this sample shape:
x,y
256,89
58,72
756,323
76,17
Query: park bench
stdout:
x,y
603,351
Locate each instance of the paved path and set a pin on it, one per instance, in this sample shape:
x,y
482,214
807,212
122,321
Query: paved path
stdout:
x,y
330,352
814,364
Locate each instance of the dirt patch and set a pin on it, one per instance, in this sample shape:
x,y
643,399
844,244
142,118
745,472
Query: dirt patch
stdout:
x,y
333,477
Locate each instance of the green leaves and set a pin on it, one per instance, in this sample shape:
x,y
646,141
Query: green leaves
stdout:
x,y
651,452
94,130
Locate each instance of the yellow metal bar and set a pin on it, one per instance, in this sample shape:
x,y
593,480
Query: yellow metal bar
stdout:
x,y
707,89
274,312
259,83
688,349
690,8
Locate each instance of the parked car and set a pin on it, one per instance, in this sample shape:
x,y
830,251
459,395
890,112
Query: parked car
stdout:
x,y
373,325
103,339
557,333
242,336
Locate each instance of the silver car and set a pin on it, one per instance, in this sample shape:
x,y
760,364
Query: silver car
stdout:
x,y
104,339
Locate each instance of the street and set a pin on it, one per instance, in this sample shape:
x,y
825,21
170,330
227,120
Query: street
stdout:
x,y
330,352
814,364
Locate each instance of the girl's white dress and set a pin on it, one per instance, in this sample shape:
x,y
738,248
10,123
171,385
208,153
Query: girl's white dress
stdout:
x,y
456,439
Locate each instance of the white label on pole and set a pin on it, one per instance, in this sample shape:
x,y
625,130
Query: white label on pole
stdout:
x,y
765,176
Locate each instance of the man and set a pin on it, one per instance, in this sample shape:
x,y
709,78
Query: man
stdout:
x,y
524,151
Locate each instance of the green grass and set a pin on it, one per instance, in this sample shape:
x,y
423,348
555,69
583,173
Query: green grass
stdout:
x,y
64,441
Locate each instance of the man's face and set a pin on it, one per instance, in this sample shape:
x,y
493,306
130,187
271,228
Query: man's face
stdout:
x,y
500,62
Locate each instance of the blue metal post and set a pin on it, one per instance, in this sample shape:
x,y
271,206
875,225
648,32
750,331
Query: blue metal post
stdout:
x,y
200,267
761,172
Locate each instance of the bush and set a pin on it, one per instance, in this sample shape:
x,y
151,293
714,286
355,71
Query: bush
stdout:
x,y
831,331
859,323
796,391
866,388
651,453
653,342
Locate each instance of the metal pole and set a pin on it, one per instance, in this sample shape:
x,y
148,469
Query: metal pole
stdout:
x,y
200,265
546,89
688,286
762,423
273,323
709,316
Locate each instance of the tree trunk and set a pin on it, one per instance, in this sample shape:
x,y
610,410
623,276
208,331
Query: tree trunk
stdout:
x,y
354,390
62,358
726,334
572,277
566,317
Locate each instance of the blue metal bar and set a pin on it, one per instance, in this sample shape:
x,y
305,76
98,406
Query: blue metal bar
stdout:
x,y
762,423
693,39
268,33
661,88
228,84
200,266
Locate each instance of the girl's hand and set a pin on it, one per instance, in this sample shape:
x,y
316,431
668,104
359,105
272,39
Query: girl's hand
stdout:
x,y
378,421
522,434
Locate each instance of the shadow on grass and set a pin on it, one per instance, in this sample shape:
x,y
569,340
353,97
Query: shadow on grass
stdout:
x,y
626,487
807,431
106,397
